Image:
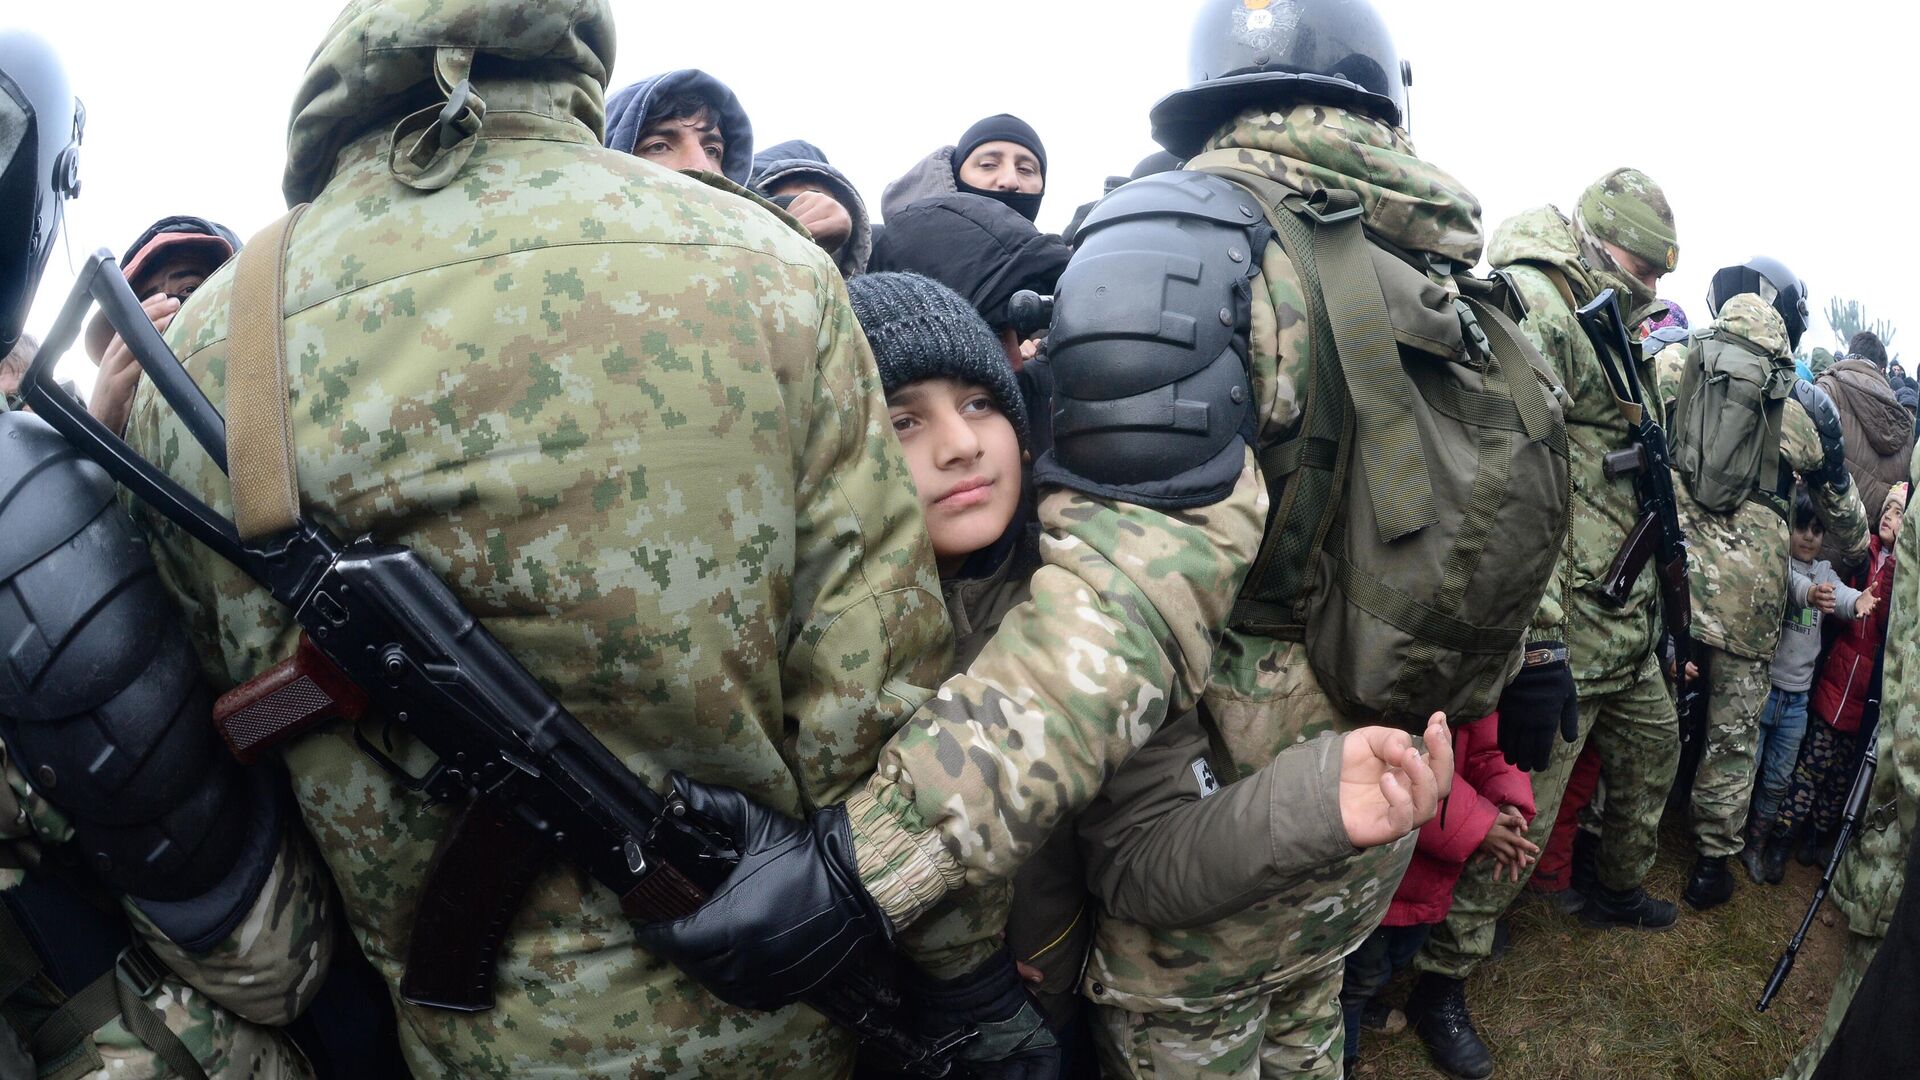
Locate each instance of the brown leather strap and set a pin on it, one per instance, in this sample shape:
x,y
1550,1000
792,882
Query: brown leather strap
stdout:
x,y
266,494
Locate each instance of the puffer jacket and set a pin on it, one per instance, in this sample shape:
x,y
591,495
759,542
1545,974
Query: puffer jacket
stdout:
x,y
1879,434
931,175
1840,694
1482,783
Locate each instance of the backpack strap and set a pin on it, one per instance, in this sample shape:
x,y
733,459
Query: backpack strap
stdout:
x,y
62,1045
266,494
1362,336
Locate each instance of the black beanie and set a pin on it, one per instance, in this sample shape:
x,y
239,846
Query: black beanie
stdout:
x,y
920,329
1005,127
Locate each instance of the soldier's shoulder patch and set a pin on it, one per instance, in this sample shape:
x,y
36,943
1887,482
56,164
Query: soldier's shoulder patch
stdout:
x,y
1203,775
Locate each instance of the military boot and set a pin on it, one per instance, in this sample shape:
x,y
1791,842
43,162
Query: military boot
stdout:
x,y
1711,884
1437,1011
1607,909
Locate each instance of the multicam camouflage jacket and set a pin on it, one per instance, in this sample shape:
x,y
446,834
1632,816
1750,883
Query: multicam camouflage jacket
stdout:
x,y
1605,645
224,1004
1124,630
1739,561
628,417
1874,872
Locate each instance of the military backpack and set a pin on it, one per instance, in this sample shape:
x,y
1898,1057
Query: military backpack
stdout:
x,y
1726,421
1419,511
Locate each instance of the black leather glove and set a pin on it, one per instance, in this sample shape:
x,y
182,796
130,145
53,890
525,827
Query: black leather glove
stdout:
x,y
1011,1040
788,916
1539,701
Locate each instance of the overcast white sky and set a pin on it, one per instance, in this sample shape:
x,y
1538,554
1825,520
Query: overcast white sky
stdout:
x,y
1775,126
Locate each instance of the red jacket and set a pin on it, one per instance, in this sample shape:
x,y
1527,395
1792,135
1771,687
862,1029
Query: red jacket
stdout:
x,y
1840,695
1482,781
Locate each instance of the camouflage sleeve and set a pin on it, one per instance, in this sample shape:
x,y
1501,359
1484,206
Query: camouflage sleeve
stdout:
x,y
871,636
273,962
1844,513
1549,326
1119,634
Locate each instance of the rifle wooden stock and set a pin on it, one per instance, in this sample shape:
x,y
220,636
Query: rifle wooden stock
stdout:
x,y
1630,561
286,700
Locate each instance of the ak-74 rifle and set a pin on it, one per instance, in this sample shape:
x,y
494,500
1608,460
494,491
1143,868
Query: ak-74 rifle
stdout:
x,y
1657,537
385,640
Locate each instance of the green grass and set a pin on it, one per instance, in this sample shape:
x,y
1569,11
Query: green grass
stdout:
x,y
1567,1003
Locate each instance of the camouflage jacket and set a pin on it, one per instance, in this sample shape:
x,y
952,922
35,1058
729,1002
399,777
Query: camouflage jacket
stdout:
x,y
1605,645
629,418
1873,873
224,1004
1124,630
1739,561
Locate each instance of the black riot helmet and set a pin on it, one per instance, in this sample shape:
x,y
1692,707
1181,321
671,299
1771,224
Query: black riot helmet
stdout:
x,y
1771,281
1257,52
40,124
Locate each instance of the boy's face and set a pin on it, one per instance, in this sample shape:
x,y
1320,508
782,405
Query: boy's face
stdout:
x,y
1806,541
965,459
1890,523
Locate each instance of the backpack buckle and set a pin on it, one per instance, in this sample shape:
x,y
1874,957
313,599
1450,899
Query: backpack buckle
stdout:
x,y
139,969
1330,206
1470,325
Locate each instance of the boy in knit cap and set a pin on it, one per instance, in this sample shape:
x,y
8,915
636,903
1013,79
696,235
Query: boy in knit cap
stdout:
x,y
1164,843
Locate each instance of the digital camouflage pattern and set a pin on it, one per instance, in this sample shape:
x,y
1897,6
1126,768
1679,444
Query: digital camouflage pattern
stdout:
x,y
1873,872
1624,706
1740,575
1739,561
629,419
219,1003
1121,633
1723,787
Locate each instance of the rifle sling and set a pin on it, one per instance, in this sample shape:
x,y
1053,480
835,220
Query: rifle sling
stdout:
x,y
266,494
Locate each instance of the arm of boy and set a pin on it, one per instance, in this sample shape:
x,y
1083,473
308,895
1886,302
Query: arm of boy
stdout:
x,y
1799,587
1159,853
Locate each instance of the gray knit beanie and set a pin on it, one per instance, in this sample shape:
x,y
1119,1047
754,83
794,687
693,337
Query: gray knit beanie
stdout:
x,y
920,329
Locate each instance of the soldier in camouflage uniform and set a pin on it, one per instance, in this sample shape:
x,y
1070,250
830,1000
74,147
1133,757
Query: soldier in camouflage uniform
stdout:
x,y
1873,872
1740,573
1621,237
628,417
1128,625
224,1004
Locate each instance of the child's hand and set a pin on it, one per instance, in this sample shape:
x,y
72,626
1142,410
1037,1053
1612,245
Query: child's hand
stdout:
x,y
1507,844
1863,607
1822,596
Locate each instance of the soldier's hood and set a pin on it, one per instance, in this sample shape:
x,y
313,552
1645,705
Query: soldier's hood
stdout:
x,y
630,108
1864,393
1406,201
1543,236
800,160
1754,319
932,175
387,59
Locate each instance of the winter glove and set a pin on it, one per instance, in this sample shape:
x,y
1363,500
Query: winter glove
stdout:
x,y
1539,700
1833,443
1011,1040
787,918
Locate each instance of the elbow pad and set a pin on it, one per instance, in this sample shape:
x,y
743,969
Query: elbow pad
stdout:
x,y
1152,403
103,703
1833,444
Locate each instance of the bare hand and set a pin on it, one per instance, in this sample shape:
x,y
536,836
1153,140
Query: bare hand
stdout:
x,y
112,399
1507,844
1387,788
825,219
1028,973
1823,596
1863,607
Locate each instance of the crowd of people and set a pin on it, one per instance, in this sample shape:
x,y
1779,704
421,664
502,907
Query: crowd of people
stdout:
x,y
1151,638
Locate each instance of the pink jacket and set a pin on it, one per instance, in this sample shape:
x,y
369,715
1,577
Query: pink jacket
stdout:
x,y
1482,781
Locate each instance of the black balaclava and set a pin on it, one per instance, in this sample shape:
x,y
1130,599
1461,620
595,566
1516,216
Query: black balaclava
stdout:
x,y
1003,128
